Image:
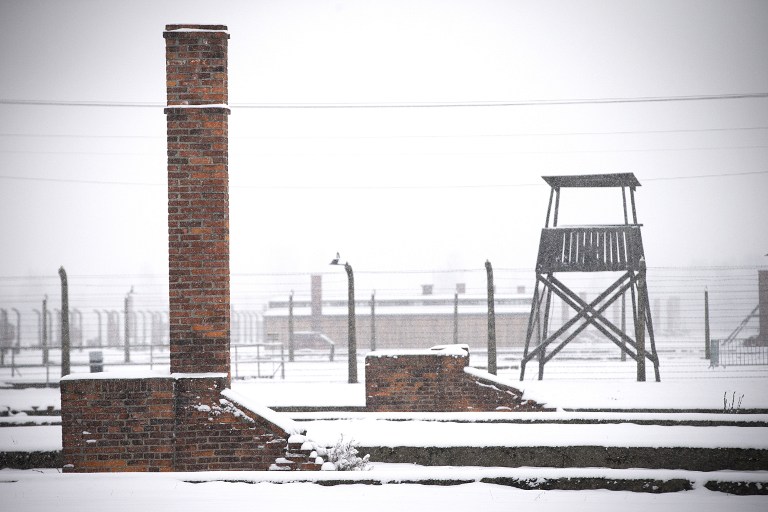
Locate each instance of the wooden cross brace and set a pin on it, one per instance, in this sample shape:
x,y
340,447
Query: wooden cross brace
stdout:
x,y
592,314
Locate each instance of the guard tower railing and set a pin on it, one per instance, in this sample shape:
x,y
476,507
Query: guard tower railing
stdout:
x,y
605,248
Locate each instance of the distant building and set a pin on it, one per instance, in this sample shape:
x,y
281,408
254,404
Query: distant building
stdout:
x,y
413,321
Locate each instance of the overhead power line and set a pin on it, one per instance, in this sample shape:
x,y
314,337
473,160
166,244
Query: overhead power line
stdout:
x,y
407,104
75,103
675,271
86,182
699,176
366,187
402,153
520,103
393,136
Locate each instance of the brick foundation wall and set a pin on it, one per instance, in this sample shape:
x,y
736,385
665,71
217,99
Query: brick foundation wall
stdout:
x,y
215,434
117,424
435,381
198,197
165,423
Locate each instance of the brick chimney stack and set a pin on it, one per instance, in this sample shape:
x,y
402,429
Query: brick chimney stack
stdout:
x,y
198,197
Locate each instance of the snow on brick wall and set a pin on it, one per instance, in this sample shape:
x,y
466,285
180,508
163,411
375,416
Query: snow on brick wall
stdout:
x,y
173,423
117,424
215,434
435,380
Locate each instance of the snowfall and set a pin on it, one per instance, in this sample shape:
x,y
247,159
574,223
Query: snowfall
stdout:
x,y
693,388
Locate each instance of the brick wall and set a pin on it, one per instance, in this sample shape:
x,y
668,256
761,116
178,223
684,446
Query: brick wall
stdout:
x,y
216,434
198,197
196,64
165,423
117,424
435,380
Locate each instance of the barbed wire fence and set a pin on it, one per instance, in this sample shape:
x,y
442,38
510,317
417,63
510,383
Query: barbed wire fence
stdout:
x,y
97,305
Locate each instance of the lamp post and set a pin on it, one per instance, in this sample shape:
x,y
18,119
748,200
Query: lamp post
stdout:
x,y
351,336
491,320
65,367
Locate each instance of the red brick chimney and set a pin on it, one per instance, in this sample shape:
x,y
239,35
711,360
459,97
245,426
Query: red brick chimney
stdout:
x,y
198,197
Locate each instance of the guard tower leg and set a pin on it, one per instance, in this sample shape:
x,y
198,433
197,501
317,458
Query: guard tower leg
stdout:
x,y
654,356
544,331
640,327
533,320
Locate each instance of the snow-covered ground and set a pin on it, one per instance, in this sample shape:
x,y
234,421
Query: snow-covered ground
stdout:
x,y
702,390
574,393
687,384
377,432
50,490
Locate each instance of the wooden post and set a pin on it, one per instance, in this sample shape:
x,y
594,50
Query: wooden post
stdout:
x,y
640,326
632,200
532,319
549,207
707,354
624,201
624,323
543,331
64,322
491,320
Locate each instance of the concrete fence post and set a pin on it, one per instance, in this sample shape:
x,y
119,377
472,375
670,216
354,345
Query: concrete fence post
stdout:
x,y
290,328
706,325
64,322
491,320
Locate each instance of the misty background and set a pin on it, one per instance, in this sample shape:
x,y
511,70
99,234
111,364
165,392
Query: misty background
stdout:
x,y
410,136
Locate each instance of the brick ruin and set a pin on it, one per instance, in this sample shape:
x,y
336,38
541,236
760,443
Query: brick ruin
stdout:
x,y
188,420
436,380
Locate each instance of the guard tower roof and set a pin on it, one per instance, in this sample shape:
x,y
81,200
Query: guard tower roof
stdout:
x,y
625,179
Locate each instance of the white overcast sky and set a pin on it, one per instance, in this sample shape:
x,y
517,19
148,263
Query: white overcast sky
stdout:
x,y
390,188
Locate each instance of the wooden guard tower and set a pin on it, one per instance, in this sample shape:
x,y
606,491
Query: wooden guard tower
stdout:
x,y
606,248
